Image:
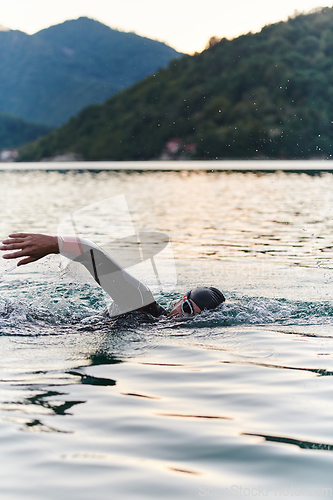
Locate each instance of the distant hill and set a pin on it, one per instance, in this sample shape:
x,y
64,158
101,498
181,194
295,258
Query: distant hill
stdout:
x,y
15,131
49,76
263,95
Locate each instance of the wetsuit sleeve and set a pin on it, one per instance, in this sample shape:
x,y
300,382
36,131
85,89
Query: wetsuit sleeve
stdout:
x,y
127,292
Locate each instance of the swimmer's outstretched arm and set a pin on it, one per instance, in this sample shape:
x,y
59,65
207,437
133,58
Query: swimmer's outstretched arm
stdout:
x,y
127,292
30,246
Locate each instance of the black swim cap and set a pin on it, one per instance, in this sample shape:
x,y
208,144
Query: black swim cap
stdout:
x,y
206,297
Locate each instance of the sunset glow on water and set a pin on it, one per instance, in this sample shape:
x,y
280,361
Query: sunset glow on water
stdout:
x,y
219,405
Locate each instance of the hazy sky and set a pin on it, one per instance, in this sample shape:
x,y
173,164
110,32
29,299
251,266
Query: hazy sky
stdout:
x,y
183,24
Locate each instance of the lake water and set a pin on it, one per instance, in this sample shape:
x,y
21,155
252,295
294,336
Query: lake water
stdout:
x,y
236,403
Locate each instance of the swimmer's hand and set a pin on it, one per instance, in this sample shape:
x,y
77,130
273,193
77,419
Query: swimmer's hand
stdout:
x,y
31,246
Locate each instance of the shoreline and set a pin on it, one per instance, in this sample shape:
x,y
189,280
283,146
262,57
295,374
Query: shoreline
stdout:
x,y
166,165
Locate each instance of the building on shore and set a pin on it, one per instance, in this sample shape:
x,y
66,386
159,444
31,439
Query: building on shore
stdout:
x,y
8,155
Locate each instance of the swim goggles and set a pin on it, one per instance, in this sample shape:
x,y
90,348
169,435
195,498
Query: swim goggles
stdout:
x,y
186,306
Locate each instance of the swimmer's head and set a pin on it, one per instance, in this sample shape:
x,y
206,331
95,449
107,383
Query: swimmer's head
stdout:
x,y
206,298
197,300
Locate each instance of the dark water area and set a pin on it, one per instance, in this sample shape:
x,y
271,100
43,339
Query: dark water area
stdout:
x,y
234,403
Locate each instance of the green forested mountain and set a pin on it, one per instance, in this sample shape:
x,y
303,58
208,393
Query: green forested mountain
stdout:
x,y
51,75
15,131
266,95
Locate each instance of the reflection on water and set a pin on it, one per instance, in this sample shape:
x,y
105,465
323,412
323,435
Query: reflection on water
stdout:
x,y
306,445
86,379
287,217
150,408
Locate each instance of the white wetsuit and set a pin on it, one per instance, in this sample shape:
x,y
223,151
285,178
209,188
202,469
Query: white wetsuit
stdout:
x,y
128,293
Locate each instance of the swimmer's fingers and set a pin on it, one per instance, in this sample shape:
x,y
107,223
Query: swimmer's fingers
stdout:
x,y
18,236
24,248
15,255
11,245
31,246
35,242
15,241
21,236
27,260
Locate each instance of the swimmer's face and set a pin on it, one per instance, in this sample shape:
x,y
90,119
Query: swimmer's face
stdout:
x,y
177,309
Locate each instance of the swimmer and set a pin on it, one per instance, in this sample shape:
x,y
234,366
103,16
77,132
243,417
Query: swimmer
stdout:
x,y
128,293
